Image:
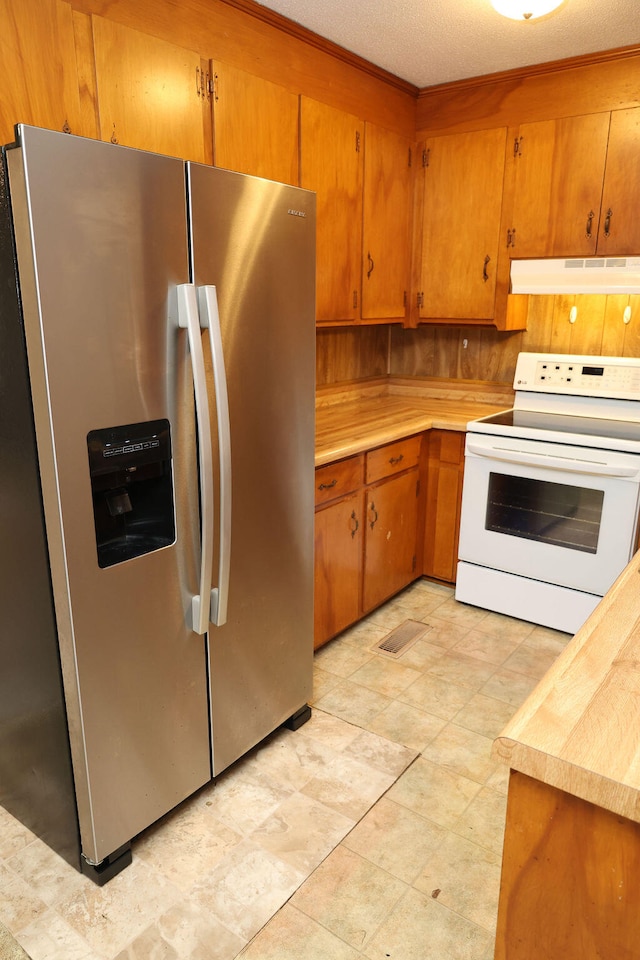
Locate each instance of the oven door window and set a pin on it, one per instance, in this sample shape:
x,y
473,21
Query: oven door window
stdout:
x,y
555,513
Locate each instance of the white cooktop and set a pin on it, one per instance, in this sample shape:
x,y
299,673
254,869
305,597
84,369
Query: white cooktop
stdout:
x,y
585,401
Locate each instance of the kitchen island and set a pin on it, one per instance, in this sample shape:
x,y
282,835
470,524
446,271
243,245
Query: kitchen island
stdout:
x,y
571,858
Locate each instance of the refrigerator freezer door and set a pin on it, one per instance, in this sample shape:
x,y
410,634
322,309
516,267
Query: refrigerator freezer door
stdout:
x,y
254,240
101,240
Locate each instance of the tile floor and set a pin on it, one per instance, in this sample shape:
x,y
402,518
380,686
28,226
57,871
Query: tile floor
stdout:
x,y
375,831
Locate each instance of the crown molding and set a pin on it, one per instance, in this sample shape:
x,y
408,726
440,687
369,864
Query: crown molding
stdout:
x,y
301,33
534,70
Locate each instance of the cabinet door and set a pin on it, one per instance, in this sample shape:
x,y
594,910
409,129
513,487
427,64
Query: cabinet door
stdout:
x,y
338,567
559,168
444,499
331,153
391,519
463,180
37,67
255,125
388,204
150,92
619,221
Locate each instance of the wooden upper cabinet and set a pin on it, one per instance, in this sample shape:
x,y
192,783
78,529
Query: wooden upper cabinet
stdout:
x,y
463,179
255,125
332,151
558,168
38,75
151,94
388,204
619,233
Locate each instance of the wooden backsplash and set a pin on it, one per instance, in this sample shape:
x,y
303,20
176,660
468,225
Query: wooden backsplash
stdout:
x,y
481,353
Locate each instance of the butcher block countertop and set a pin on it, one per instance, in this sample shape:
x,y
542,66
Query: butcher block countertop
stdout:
x,y
579,730
361,416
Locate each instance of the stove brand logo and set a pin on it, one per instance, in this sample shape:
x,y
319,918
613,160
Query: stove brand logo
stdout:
x,y
297,213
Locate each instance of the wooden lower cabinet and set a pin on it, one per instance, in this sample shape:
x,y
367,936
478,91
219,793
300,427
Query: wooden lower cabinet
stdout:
x,y
366,533
445,469
338,566
390,538
569,878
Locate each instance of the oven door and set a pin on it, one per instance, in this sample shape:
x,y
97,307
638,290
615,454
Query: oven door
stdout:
x,y
550,512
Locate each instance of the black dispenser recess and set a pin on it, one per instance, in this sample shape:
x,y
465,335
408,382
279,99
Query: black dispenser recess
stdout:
x,y
132,489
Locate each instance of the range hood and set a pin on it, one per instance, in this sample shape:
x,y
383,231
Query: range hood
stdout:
x,y
576,275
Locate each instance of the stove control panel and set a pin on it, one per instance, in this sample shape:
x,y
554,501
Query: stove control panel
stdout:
x,y
615,377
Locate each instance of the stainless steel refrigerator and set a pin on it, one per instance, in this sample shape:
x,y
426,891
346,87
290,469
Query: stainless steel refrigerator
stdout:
x,y
157,370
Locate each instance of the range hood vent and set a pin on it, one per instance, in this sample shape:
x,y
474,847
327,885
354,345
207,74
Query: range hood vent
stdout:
x,y
593,275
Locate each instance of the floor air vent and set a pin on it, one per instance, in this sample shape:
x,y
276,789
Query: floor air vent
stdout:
x,y
401,638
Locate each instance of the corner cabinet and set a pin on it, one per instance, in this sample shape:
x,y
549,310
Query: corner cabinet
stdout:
x,y
463,181
387,224
367,533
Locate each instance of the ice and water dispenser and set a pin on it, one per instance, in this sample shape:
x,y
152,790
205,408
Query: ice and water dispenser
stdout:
x,y
132,488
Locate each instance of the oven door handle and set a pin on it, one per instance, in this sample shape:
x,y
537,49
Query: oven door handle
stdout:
x,y
519,457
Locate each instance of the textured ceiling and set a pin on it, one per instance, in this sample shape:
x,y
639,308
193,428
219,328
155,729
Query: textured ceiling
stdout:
x,y
436,41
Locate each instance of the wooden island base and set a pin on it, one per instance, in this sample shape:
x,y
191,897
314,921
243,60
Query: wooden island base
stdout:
x,y
570,886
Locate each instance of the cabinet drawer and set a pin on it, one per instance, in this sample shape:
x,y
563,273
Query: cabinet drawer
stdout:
x,y
337,479
392,458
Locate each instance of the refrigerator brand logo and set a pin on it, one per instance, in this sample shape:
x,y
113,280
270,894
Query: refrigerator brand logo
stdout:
x,y
296,213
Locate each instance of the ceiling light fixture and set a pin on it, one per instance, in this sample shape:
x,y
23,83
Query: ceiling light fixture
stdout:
x,y
525,9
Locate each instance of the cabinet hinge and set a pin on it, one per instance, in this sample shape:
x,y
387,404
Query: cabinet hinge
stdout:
x,y
420,299
426,154
204,84
357,141
355,299
410,157
517,146
404,299
511,238
213,85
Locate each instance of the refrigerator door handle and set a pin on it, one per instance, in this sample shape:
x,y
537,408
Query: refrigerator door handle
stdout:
x,y
189,319
210,317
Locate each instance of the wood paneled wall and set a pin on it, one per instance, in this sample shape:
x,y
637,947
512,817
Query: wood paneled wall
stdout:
x,y
567,88
351,354
482,353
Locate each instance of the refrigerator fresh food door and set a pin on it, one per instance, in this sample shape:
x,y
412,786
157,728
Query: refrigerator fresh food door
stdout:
x,y
254,241
101,236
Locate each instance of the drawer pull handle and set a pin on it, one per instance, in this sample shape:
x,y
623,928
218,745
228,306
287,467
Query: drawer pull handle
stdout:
x,y
372,508
328,486
394,460
354,529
